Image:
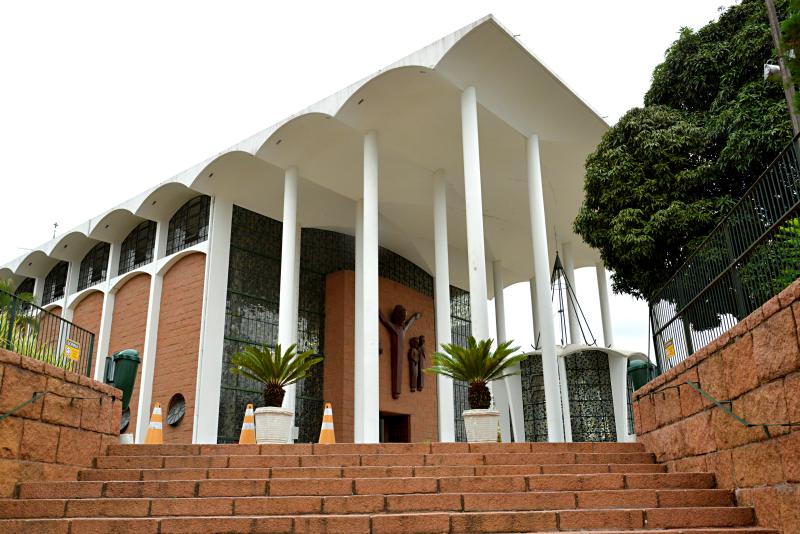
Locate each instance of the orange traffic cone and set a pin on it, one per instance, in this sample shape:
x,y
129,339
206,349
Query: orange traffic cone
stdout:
x,y
326,435
155,434
248,435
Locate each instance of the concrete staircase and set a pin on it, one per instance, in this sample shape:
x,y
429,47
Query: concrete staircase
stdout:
x,y
406,488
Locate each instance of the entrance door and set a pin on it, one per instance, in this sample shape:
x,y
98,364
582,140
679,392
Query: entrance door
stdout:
x,y
395,428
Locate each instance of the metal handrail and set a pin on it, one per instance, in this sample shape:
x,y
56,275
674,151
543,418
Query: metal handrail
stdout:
x,y
722,406
32,331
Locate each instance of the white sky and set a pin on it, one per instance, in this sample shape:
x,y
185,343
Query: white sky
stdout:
x,y
101,100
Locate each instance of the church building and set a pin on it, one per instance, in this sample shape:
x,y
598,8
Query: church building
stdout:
x,y
388,213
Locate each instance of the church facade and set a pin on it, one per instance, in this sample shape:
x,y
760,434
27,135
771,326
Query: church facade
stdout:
x,y
371,227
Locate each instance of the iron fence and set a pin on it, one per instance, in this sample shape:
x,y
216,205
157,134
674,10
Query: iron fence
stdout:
x,y
752,254
32,331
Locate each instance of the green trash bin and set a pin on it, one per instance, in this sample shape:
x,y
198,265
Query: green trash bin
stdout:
x,y
641,372
120,372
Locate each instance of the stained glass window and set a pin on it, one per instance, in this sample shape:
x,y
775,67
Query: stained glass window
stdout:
x,y
94,266
55,282
137,248
189,225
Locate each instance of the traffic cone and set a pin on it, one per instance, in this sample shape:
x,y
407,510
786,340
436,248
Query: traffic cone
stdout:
x,y
248,435
326,435
155,434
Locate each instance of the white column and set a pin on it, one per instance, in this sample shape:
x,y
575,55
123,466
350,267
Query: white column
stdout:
x,y
512,385
369,293
296,311
564,384
148,356
38,290
479,306
534,313
618,368
541,264
104,335
212,327
605,312
287,320
358,344
444,384
572,312
71,286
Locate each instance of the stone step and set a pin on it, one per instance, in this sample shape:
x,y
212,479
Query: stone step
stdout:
x,y
362,471
348,485
721,519
50,495
365,460
368,448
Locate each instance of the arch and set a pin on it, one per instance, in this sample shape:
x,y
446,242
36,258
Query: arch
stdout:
x,y
113,225
76,298
71,246
88,311
178,342
175,258
160,203
129,326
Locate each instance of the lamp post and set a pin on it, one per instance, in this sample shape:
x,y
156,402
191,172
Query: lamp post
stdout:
x,y
786,76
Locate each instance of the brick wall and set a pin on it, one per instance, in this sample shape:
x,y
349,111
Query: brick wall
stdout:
x,y
88,312
53,437
128,327
756,366
339,356
179,341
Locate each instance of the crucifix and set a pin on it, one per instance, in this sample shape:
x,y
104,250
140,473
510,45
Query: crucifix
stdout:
x,y
397,325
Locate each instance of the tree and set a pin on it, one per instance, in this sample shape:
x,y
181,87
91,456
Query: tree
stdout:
x,y
665,174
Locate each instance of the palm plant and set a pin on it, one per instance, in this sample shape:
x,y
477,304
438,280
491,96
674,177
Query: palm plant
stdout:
x,y
477,365
273,369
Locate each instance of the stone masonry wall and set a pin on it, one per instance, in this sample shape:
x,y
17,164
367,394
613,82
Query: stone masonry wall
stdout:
x,y
756,366
55,436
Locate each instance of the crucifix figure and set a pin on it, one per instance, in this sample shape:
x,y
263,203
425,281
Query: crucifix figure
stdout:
x,y
397,325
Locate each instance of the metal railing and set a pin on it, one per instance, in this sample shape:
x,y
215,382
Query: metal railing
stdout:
x,y
35,332
752,254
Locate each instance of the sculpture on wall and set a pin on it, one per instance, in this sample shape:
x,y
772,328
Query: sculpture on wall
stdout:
x,y
416,362
398,326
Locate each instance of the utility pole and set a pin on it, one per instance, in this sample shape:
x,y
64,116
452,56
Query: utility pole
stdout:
x,y
786,76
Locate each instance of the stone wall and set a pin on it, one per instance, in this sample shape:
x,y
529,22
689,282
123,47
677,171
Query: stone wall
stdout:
x,y
57,435
755,366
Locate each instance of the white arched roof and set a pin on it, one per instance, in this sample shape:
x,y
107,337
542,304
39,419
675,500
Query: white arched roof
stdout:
x,y
414,105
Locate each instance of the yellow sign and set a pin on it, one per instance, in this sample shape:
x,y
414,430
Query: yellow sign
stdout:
x,y
669,348
72,350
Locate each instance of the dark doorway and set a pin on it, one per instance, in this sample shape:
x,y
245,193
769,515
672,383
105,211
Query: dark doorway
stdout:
x,y
395,428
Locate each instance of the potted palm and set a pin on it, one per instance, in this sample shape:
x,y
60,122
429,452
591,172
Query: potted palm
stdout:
x,y
477,365
275,370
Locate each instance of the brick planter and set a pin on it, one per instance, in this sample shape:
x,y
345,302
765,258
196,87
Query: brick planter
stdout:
x,y
57,435
756,366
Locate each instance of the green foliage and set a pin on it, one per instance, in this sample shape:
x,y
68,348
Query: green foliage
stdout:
x,y
19,328
273,368
774,265
790,28
665,174
477,365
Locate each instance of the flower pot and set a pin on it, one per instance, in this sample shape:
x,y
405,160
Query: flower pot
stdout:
x,y
481,425
273,424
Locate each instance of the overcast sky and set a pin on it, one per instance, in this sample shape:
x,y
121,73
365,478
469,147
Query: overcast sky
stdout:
x,y
100,101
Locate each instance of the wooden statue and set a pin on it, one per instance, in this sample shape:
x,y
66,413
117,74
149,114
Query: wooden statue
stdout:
x,y
398,326
413,363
